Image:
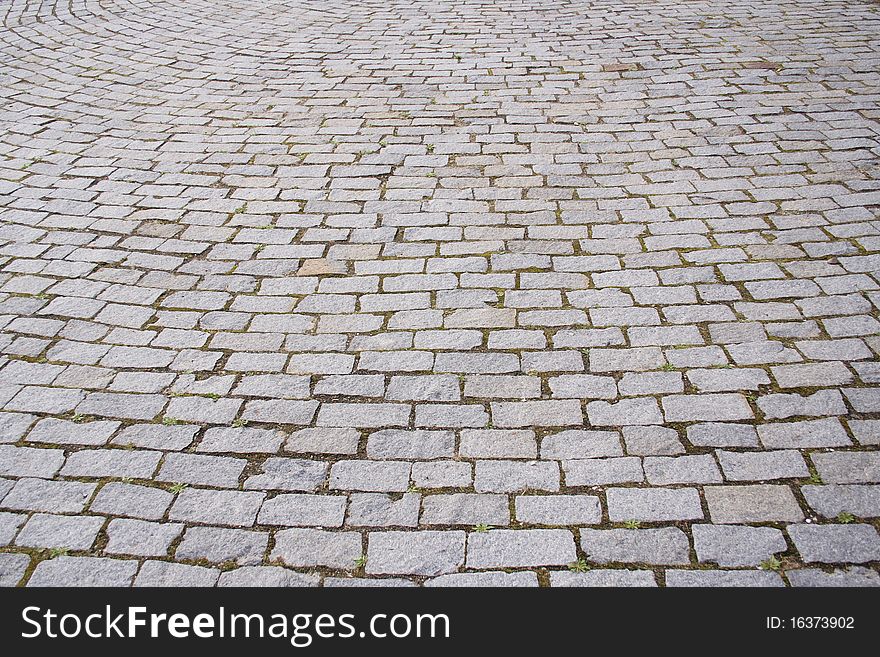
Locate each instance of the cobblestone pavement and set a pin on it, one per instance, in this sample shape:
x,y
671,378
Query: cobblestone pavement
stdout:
x,y
533,292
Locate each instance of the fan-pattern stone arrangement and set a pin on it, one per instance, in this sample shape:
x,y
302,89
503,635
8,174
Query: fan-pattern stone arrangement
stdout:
x,y
434,292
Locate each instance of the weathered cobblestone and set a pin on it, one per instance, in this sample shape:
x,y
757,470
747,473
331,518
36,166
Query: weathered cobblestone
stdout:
x,y
305,284
506,548
317,547
836,543
667,546
220,545
415,553
736,546
722,578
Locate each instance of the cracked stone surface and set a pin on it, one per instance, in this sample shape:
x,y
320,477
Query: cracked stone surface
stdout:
x,y
444,293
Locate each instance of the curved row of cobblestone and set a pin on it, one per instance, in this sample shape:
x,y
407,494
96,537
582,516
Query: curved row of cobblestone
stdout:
x,y
446,293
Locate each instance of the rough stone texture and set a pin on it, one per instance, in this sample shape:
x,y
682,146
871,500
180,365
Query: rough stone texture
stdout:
x,y
317,547
12,568
259,576
748,504
83,571
505,548
653,504
604,578
221,545
722,578
396,271
855,576
666,546
491,578
415,553
735,546
167,574
836,543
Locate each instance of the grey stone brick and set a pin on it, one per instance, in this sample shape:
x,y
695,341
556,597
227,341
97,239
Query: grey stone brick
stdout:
x,y
50,496
866,432
442,474
299,510
502,386
600,472
604,578
120,499
38,399
83,571
266,576
350,385
240,440
650,383
511,476
848,467
580,444
822,403
64,432
219,545
157,436
498,443
652,441
317,547
721,407
583,386
736,546
29,461
695,469
415,553
275,411
111,463
451,415
218,507
805,433
367,582
666,546
288,474
722,434
370,476
140,537
13,426
10,523
323,441
858,500
809,375
537,413
558,510
202,470
465,509
653,504
122,405
855,576
720,380
836,543
637,411
750,504
67,532
634,359
12,568
513,548
723,578
168,574
380,510
437,387
495,579
368,416
762,466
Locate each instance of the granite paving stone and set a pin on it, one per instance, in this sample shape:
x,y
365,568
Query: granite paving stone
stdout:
x,y
470,290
